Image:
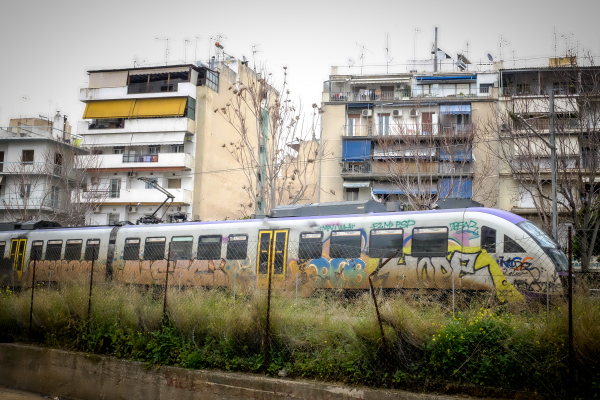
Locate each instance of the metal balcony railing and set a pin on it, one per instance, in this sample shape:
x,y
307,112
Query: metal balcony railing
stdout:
x,y
140,158
356,167
369,95
408,129
538,90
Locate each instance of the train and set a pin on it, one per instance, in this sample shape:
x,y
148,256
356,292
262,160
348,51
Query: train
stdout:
x,y
312,246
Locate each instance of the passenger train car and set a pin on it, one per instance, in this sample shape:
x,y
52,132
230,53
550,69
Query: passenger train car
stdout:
x,y
472,248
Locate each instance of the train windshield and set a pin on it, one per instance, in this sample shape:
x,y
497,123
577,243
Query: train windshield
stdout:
x,y
548,244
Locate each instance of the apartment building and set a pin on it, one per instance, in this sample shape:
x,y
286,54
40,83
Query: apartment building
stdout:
x,y
401,136
159,123
37,171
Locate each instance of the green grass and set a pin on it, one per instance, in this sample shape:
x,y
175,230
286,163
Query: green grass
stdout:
x,y
328,336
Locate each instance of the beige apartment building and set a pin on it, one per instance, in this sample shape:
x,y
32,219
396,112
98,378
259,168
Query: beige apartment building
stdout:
x,y
160,123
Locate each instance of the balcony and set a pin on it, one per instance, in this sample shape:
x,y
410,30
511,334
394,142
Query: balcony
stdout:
x,y
183,89
144,125
144,196
162,161
408,129
522,90
449,92
379,168
370,95
30,203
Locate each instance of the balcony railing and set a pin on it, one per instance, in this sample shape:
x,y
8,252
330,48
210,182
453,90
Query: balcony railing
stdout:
x,y
369,95
442,91
356,168
408,129
140,158
11,202
152,87
538,90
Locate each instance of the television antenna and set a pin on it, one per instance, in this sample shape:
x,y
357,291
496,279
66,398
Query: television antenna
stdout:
x,y
415,32
218,38
388,58
362,55
196,48
166,40
254,51
505,42
185,42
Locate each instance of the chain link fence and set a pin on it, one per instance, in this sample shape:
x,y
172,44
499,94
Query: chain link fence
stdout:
x,y
386,313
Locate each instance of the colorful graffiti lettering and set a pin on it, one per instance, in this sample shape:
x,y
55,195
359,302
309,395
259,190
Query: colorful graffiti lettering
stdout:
x,y
336,227
469,226
393,224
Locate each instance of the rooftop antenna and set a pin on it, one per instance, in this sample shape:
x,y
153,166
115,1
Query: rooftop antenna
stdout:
x,y
185,42
513,58
50,100
362,55
196,47
166,40
555,42
467,49
254,51
388,58
505,42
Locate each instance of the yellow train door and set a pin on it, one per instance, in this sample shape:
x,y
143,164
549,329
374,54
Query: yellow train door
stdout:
x,y
271,257
17,255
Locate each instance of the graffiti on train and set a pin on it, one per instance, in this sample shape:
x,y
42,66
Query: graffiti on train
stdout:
x,y
393,224
336,227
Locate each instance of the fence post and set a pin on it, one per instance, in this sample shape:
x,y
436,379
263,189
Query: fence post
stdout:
x,y
547,293
234,274
49,278
268,323
452,293
570,295
179,282
167,282
89,313
31,305
296,289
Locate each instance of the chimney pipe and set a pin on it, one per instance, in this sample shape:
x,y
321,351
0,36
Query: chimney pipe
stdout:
x,y
435,52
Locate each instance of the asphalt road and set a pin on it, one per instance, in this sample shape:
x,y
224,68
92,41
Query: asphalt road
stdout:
x,y
11,394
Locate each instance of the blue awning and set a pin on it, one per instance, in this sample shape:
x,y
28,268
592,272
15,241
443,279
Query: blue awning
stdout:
x,y
447,78
456,154
456,187
360,105
355,184
388,190
455,109
356,150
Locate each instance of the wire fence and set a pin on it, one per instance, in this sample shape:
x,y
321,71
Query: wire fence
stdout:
x,y
386,312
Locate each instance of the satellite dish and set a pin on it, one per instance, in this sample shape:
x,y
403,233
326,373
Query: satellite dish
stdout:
x,y
350,62
490,57
389,58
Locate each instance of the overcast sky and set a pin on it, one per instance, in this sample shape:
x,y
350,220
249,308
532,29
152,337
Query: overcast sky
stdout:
x,y
46,47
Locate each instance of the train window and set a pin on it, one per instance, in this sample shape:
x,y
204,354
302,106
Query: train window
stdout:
x,y
92,248
53,250
488,239
73,249
131,251
154,248
209,247
237,247
511,246
383,243
430,242
345,244
2,249
181,248
37,246
310,245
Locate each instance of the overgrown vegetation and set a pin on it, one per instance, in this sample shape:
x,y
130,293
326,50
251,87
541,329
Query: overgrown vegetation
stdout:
x,y
516,348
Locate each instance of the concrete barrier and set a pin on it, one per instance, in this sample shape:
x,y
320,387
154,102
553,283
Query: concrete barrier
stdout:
x,y
92,377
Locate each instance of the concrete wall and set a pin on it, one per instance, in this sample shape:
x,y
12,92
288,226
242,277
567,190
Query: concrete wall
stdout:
x,y
331,181
485,162
91,377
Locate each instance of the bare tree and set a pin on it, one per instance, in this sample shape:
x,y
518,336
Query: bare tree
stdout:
x,y
57,188
525,158
276,145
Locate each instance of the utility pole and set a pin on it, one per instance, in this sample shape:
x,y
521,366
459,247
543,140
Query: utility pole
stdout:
x,y
553,161
435,52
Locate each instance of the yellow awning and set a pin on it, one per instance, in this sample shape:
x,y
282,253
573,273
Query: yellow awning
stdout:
x,y
109,109
136,108
169,107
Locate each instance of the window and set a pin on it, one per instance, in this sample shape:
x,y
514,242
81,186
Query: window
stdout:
x,y
174,183
209,247
485,87
119,150
353,124
53,250
149,185
384,124
430,242
383,243
212,80
92,248
154,249
153,149
25,190
181,248
177,148
345,244
73,249
488,239
351,194
237,247
310,246
36,250
27,157
131,251
107,123
113,218
115,188
54,197
511,246
190,110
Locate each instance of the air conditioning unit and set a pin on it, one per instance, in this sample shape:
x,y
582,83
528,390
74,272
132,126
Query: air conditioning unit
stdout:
x,y
397,113
414,113
496,84
367,113
178,208
132,209
132,174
